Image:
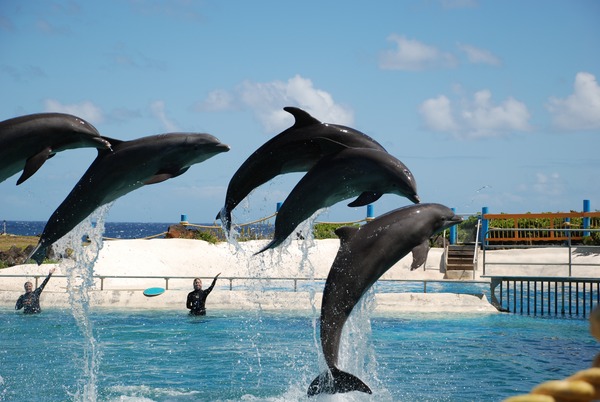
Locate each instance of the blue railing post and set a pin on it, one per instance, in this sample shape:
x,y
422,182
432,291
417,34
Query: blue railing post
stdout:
x,y
586,220
370,212
484,227
453,232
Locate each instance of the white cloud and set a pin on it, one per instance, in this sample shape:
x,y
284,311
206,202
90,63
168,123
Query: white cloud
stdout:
x,y
438,114
267,99
550,185
413,55
217,100
581,109
85,110
158,111
479,56
476,118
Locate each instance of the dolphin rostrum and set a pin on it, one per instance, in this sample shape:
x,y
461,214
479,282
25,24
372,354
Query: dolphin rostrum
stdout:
x,y
130,165
26,142
296,149
346,174
365,254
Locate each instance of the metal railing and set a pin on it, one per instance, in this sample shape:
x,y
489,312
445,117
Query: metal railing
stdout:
x,y
545,295
294,281
541,227
567,245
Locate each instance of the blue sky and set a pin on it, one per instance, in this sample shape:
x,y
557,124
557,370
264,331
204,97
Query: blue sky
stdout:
x,y
489,103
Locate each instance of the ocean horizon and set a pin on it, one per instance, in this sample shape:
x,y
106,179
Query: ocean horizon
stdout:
x,y
117,230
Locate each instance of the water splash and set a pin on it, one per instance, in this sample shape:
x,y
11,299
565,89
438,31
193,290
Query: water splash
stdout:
x,y
79,269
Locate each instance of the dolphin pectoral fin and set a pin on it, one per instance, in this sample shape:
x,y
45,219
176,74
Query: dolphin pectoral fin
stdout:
x,y
365,198
336,381
419,255
34,163
37,254
165,175
158,178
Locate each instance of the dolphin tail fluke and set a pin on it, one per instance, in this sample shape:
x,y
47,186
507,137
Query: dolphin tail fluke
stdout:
x,y
37,254
224,216
337,381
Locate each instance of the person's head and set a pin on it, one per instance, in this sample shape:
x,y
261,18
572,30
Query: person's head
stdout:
x,y
197,284
28,287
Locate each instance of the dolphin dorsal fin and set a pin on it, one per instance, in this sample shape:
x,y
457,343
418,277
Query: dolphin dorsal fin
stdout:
x,y
345,233
302,118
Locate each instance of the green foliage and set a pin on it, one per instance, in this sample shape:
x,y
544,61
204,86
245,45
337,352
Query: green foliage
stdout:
x,y
206,235
467,229
327,230
592,240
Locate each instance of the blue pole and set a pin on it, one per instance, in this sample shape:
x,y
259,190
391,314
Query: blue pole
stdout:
x,y
370,213
586,220
453,234
484,227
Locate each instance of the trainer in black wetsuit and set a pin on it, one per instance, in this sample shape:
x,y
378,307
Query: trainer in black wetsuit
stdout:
x,y
197,298
30,301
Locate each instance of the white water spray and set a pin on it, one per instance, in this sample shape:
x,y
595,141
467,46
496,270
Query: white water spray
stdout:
x,y
79,269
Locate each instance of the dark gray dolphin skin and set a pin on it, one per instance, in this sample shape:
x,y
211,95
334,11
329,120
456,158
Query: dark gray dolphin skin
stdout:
x,y
26,142
130,165
365,254
340,176
296,149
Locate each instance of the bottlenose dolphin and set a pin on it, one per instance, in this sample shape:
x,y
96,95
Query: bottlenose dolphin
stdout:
x,y
365,254
26,142
340,176
130,165
296,149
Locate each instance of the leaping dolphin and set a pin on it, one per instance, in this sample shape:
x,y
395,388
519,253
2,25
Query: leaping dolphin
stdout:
x,y
26,142
346,174
296,149
130,165
364,255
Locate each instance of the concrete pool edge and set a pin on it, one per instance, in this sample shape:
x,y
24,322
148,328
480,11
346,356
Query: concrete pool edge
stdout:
x,y
261,300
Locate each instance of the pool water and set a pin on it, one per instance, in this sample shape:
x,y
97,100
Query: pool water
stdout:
x,y
145,355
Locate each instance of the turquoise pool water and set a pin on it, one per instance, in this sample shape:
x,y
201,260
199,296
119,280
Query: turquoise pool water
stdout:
x,y
254,356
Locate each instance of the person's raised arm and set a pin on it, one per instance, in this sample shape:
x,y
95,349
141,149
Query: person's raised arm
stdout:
x,y
212,285
47,278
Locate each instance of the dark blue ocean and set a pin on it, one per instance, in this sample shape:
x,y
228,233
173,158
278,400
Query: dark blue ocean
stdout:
x,y
124,230
117,230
